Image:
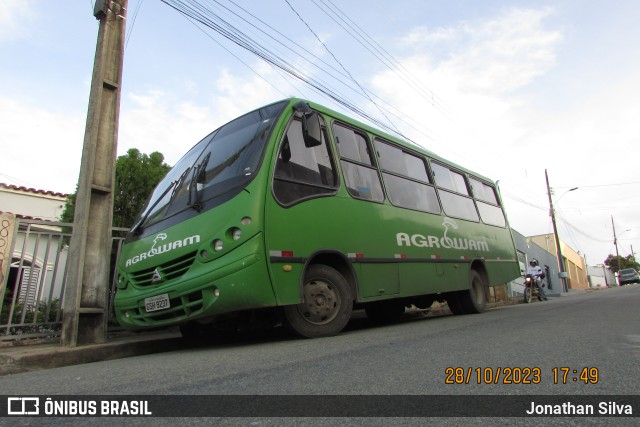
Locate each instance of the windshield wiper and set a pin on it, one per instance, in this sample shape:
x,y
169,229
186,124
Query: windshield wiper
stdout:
x,y
175,185
199,178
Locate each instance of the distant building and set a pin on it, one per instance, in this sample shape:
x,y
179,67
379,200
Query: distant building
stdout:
x,y
574,263
543,249
30,203
601,276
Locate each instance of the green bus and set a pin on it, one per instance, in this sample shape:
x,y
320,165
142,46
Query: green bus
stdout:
x,y
297,211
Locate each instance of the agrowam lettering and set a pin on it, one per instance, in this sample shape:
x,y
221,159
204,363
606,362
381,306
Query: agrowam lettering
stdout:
x,y
164,248
421,241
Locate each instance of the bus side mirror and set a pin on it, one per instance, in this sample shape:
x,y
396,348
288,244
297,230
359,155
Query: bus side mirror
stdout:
x,y
311,131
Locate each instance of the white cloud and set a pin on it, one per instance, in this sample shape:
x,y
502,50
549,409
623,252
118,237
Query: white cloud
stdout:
x,y
163,121
41,148
499,119
485,65
492,57
45,145
15,15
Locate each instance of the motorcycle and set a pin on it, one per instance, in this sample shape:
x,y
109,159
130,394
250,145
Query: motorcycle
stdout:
x,y
530,289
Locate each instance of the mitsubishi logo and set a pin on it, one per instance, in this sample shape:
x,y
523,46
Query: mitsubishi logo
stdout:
x,y
156,276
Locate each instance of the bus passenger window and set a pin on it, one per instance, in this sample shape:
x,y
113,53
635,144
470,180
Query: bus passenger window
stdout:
x,y
357,164
454,194
406,179
302,172
488,206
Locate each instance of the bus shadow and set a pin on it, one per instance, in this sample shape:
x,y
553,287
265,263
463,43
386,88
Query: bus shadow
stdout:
x,y
360,321
280,333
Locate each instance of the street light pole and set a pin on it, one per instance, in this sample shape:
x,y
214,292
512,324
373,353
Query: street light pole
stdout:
x,y
562,274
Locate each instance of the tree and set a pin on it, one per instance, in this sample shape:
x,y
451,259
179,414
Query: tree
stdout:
x,y
617,263
136,176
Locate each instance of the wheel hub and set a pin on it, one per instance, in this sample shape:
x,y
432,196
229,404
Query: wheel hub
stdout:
x,y
321,302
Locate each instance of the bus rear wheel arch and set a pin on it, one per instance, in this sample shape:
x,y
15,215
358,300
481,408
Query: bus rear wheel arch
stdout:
x,y
326,306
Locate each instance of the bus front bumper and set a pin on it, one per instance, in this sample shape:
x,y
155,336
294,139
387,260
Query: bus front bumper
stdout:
x,y
227,286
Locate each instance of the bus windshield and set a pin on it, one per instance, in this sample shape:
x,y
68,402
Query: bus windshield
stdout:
x,y
224,160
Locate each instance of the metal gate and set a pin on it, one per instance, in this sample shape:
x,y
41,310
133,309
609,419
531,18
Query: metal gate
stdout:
x,y
32,289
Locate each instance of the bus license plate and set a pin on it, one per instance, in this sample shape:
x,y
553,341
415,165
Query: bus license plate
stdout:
x,y
159,302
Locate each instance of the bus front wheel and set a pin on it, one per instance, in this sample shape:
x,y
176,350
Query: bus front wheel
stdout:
x,y
326,306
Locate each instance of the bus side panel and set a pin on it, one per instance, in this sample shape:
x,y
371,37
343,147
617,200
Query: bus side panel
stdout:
x,y
418,278
501,272
379,279
285,280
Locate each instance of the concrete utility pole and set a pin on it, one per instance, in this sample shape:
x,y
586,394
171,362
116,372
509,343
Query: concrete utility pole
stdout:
x,y
615,242
562,274
85,298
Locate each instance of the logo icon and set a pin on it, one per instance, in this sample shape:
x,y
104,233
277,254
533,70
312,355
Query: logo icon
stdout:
x,y
156,276
23,406
160,236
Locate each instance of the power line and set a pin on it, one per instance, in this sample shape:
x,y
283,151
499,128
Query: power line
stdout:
x,y
606,185
357,33
587,235
235,56
342,66
133,23
207,17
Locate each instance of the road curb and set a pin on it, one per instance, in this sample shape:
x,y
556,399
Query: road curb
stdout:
x,y
31,358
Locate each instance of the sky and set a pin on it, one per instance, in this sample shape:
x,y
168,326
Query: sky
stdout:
x,y
506,88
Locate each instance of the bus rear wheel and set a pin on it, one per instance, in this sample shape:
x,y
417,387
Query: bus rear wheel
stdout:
x,y
476,296
326,306
473,300
455,304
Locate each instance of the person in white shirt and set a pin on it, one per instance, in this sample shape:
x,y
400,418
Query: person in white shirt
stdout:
x,y
537,273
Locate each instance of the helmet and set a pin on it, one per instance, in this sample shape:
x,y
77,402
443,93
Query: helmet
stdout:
x,y
533,262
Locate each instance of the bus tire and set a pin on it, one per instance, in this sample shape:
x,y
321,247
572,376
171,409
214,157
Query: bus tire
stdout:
x,y
326,307
384,311
454,303
473,300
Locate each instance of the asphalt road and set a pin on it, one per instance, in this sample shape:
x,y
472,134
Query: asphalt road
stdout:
x,y
599,330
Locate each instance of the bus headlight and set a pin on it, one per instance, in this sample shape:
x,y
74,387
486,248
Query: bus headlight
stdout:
x,y
235,233
217,245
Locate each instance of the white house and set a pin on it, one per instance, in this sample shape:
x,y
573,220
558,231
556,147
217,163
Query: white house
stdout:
x,y
32,254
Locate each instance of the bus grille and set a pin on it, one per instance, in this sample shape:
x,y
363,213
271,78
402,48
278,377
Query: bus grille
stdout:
x,y
168,271
180,308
